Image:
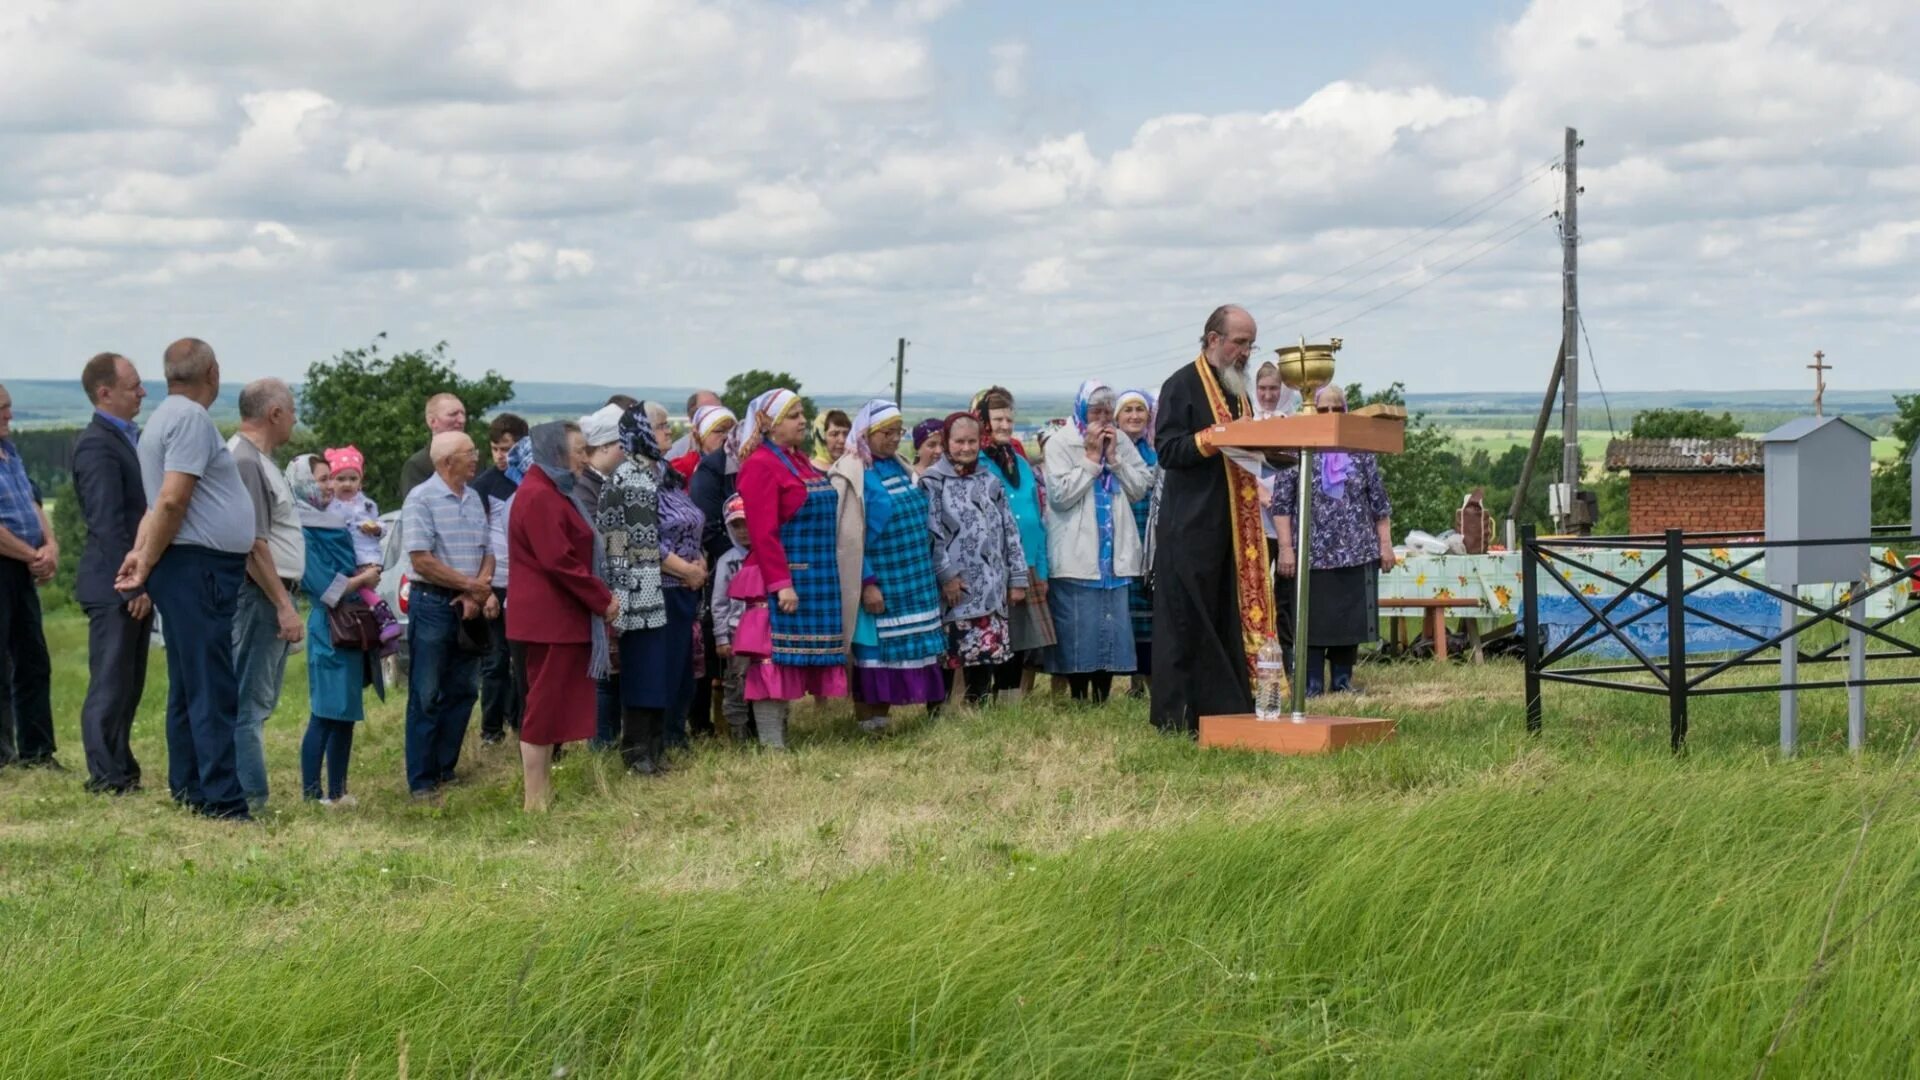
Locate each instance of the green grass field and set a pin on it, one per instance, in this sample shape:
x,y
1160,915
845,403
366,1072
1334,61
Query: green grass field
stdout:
x,y
1035,891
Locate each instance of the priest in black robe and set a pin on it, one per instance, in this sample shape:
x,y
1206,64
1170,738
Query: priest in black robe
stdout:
x,y
1212,606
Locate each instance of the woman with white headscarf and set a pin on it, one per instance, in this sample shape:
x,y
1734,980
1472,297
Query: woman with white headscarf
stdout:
x,y
1093,475
557,608
793,518
891,607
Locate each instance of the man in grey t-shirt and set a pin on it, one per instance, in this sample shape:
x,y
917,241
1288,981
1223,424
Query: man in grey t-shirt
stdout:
x,y
191,555
265,625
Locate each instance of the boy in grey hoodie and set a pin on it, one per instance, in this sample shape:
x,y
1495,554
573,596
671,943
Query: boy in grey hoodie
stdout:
x,y
726,619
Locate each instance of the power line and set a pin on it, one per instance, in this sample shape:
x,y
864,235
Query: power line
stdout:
x,y
1527,228
1493,199
1593,365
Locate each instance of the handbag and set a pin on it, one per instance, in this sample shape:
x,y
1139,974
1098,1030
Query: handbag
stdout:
x,y
351,625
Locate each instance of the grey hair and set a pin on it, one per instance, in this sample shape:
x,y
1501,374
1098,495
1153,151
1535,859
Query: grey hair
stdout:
x,y
657,416
261,395
189,360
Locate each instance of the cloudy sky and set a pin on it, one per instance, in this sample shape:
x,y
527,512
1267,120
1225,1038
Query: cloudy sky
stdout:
x,y
659,192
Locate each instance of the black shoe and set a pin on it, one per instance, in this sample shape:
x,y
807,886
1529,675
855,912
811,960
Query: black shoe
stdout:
x,y
645,767
492,740
49,763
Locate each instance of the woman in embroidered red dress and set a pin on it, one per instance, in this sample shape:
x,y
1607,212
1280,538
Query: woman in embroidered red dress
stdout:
x,y
792,517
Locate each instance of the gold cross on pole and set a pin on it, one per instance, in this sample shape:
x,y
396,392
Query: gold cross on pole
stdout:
x,y
1819,367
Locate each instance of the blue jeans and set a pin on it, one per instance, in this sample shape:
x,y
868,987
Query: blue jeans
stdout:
x,y
195,590
260,666
441,689
328,742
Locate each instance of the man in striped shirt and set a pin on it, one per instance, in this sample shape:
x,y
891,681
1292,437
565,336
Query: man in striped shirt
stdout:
x,y
444,524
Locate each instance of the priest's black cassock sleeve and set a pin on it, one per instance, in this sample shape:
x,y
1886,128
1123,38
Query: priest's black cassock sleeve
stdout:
x,y
1199,666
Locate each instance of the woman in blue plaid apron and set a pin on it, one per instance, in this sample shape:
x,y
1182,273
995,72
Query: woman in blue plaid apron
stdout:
x,y
891,607
792,516
1133,415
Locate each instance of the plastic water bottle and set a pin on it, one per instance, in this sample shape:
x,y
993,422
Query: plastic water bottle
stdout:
x,y
1270,682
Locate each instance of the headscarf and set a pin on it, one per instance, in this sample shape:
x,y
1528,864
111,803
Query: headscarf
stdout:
x,y
1091,392
637,439
762,413
925,428
946,436
308,498
547,447
708,419
1001,456
346,457
1142,442
519,460
817,435
1334,464
875,415
548,444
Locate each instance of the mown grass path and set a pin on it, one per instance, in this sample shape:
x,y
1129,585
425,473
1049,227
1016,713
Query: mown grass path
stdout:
x,y
1031,891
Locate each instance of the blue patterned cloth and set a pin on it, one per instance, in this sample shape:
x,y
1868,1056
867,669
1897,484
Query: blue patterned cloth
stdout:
x,y
900,560
452,528
18,504
811,636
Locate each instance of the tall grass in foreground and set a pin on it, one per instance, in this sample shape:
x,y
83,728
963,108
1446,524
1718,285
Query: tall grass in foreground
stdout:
x,y
1030,892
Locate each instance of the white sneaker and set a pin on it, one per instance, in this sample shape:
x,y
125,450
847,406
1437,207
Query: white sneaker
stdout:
x,y
327,803
344,802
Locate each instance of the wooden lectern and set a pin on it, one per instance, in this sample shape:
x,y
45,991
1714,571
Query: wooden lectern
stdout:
x,y
1306,434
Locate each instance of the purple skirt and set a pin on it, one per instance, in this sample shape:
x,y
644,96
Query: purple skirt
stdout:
x,y
923,685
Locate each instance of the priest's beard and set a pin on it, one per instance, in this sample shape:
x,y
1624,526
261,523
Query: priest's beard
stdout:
x,y
1233,379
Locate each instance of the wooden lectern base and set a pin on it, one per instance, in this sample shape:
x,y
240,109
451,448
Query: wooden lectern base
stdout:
x,y
1312,735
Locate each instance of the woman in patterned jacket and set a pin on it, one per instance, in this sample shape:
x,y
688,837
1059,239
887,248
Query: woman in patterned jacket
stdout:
x,y
977,556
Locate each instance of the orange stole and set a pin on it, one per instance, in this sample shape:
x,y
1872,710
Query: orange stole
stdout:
x,y
1249,537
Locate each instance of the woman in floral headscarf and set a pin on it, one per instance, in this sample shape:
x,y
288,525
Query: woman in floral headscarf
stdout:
x,y
977,557
337,677
793,518
891,608
1030,622
656,567
1134,416
1093,474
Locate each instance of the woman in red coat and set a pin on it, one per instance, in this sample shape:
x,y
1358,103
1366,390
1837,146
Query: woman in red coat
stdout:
x,y
557,606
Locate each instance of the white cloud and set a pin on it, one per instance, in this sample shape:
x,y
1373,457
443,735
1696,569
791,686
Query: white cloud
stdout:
x,y
560,181
1009,68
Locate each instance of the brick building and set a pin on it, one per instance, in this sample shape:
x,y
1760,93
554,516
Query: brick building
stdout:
x,y
1700,485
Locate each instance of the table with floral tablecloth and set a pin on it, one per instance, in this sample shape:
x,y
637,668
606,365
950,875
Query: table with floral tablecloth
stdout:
x,y
1495,581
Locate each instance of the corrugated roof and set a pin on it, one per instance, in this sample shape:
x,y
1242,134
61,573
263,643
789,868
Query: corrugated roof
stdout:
x,y
1685,455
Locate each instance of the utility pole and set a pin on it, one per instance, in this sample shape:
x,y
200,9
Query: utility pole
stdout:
x,y
1570,329
900,373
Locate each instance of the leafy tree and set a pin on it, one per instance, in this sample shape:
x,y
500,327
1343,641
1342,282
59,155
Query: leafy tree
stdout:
x,y
1424,480
747,385
375,401
1892,490
1683,424
70,529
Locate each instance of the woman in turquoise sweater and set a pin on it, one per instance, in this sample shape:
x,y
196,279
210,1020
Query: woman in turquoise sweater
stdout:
x,y
336,677
1032,621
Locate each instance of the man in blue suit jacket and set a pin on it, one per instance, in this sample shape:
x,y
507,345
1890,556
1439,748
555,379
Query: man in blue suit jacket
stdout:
x,y
106,479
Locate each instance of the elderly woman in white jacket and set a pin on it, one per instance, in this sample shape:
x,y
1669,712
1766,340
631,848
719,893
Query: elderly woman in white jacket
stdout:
x,y
1093,474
